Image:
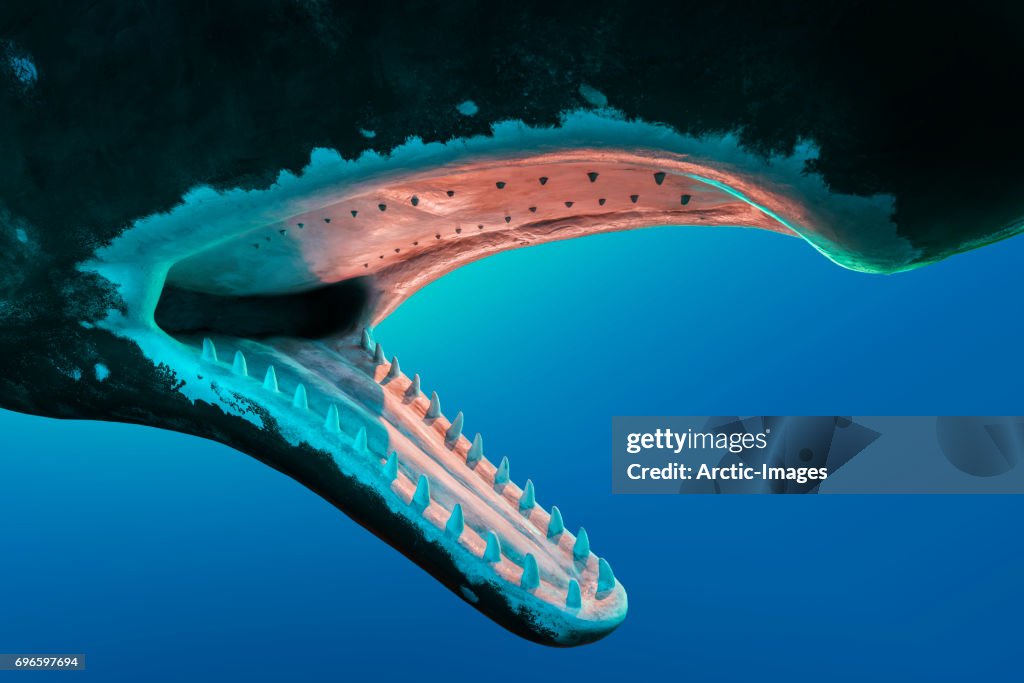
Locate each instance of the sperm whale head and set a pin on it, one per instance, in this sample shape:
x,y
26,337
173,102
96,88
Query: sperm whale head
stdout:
x,y
243,310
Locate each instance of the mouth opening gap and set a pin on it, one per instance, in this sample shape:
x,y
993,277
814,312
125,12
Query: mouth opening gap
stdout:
x,y
336,308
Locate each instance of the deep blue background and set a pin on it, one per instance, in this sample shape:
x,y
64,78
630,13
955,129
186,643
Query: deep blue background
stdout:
x,y
164,557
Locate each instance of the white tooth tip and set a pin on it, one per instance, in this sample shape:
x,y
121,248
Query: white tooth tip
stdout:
x,y
456,522
270,380
239,366
391,467
299,400
502,475
531,573
581,549
395,371
573,599
492,553
605,577
209,350
434,409
421,498
332,422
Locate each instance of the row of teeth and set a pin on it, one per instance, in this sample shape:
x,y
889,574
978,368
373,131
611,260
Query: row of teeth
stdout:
x,y
421,498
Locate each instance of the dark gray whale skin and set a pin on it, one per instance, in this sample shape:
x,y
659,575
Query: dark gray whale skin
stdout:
x,y
132,104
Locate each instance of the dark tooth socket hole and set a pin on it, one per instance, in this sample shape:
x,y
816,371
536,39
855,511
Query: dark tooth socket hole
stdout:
x,y
593,176
684,199
543,180
415,201
508,219
354,213
568,205
659,177
458,230
450,193
601,201
301,226
382,207
634,197
500,185
533,209
327,220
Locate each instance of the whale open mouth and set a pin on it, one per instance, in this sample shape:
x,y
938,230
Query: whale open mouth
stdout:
x,y
264,305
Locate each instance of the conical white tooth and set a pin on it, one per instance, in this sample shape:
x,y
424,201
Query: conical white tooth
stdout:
x,y
300,400
454,430
501,476
414,388
391,467
492,553
529,497
456,522
378,354
531,573
239,366
209,350
367,340
573,599
395,371
556,525
434,409
270,381
476,450
421,498
605,576
360,440
333,421
581,549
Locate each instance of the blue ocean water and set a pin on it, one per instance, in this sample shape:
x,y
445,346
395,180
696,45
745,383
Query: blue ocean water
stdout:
x,y
165,557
